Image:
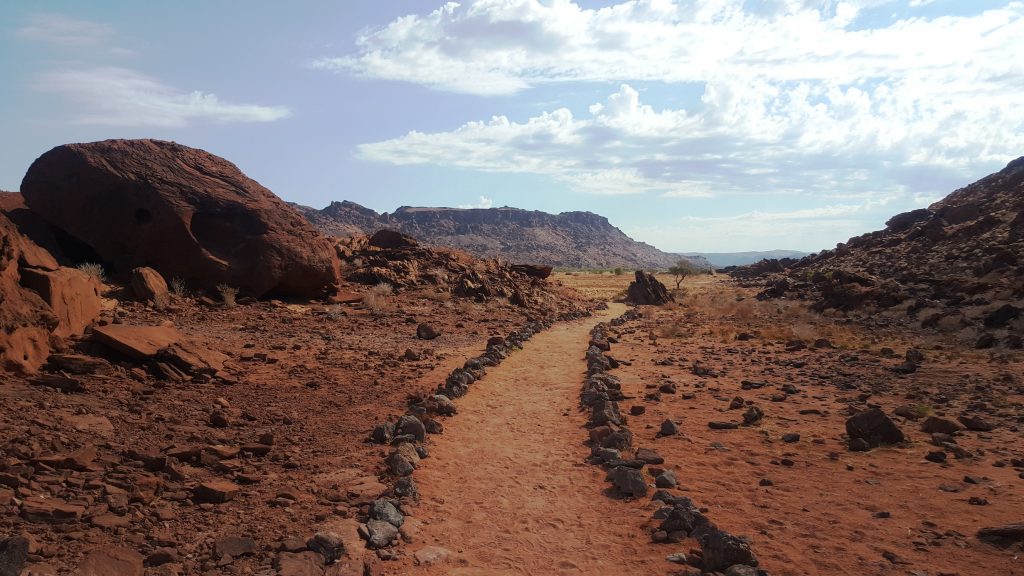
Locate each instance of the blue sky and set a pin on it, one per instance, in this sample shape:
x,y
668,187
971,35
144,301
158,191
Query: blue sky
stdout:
x,y
695,125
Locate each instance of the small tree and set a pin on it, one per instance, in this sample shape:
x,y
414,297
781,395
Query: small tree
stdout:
x,y
681,270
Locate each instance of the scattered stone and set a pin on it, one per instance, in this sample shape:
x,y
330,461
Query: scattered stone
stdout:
x,y
637,410
412,426
110,560
934,424
976,423
669,428
13,555
722,550
329,544
1003,536
859,445
753,415
234,546
677,558
430,555
386,511
628,481
378,533
427,331
648,456
874,427
215,492
937,456
306,563
666,479
791,437
723,425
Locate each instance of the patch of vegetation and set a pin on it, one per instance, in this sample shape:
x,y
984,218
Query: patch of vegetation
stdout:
x,y
94,270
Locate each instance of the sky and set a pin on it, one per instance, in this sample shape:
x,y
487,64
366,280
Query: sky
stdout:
x,y
693,125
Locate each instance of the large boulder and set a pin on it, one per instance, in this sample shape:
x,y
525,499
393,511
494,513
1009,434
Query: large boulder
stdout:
x,y
646,289
182,211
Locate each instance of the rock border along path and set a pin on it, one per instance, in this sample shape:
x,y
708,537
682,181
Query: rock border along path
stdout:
x,y
611,443
507,490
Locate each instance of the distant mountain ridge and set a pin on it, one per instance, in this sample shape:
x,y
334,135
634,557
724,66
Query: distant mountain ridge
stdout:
x,y
723,259
567,240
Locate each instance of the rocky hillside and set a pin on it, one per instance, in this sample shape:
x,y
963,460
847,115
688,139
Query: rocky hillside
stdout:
x,y
566,240
957,265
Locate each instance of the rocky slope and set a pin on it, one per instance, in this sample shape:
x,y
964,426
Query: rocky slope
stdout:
x,y
956,266
566,240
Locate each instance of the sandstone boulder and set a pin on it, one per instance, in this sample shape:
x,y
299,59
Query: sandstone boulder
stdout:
x,y
181,211
390,239
533,270
150,286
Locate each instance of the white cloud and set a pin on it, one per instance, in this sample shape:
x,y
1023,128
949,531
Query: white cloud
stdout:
x,y
122,97
748,137
505,46
484,202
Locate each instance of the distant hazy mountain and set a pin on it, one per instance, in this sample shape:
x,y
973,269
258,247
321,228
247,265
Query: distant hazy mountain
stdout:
x,y
566,240
721,259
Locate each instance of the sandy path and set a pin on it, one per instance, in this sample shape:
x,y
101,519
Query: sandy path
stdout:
x,y
507,490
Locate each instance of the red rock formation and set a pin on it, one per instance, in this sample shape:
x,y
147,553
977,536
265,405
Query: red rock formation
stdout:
x,y
38,300
185,212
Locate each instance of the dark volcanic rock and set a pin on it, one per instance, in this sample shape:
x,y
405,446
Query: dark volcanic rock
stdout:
x,y
182,211
874,427
722,550
646,289
1003,536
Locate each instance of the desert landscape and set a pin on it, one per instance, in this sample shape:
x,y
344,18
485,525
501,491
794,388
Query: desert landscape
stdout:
x,y
266,399
512,288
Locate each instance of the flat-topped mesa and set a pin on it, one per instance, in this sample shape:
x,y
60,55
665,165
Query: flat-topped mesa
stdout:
x,y
566,240
185,212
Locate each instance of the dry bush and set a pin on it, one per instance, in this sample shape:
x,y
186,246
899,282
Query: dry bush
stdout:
x,y
378,298
466,307
94,270
179,287
227,294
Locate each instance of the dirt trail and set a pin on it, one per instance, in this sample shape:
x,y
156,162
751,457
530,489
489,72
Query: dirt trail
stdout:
x,y
506,489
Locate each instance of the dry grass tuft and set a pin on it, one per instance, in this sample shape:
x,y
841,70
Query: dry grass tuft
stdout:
x,y
378,299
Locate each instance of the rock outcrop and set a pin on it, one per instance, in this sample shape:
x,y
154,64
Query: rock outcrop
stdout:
x,y
38,299
182,211
566,240
646,289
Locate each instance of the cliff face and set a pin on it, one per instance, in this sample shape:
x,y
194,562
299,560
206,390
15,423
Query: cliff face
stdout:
x,y
566,240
